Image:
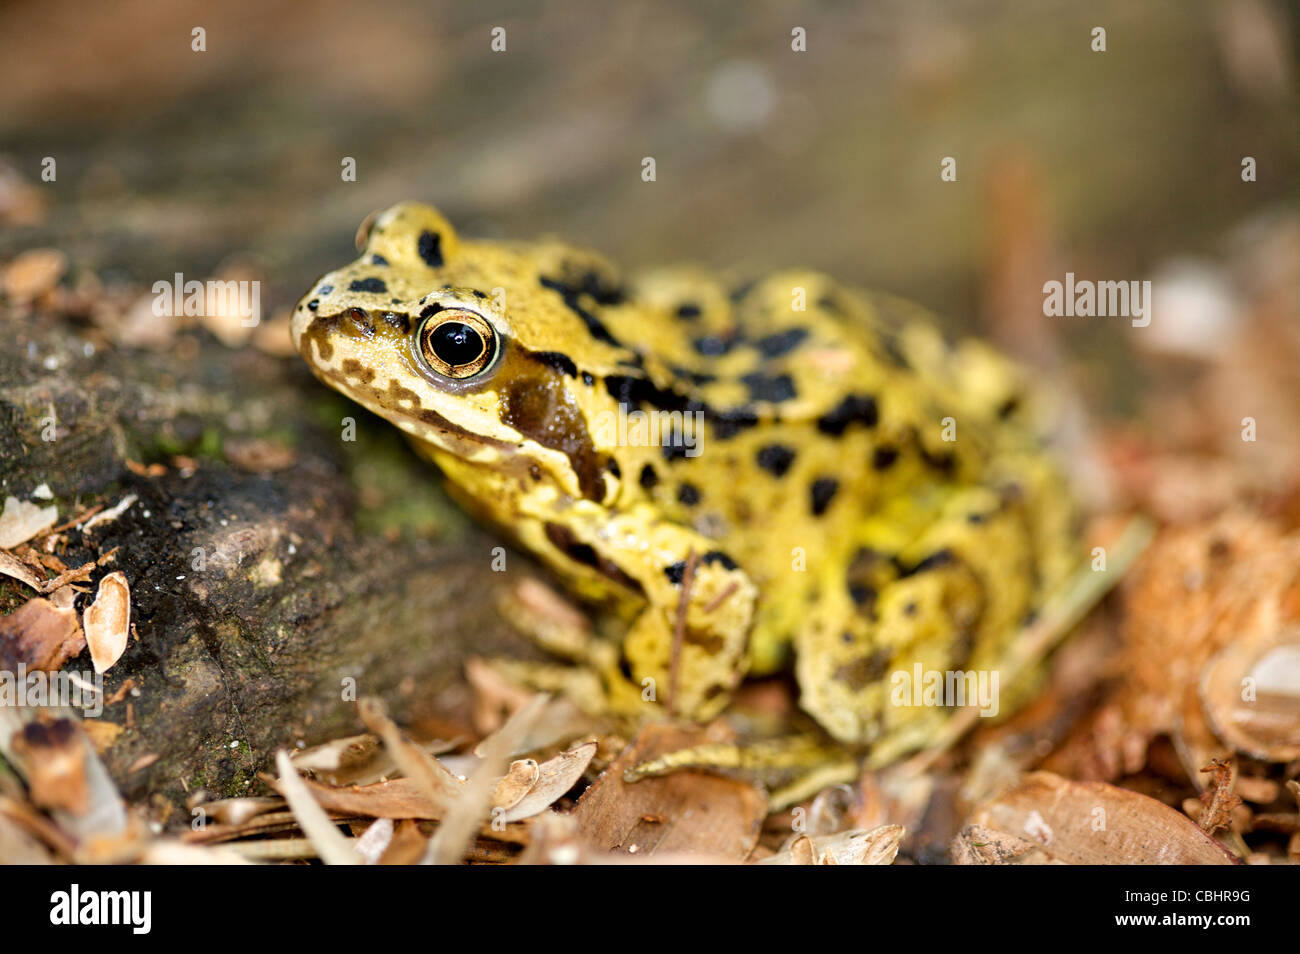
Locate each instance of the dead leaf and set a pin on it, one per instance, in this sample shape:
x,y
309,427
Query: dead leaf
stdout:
x,y
1265,721
33,273
855,847
693,811
330,844
11,566
40,635
516,783
53,758
1096,823
258,456
108,621
977,845
21,521
407,846
554,777
397,798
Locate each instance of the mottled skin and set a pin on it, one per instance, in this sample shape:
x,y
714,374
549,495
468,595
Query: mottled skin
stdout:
x,y
825,510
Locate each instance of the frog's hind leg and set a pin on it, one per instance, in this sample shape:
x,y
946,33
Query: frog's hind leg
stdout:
x,y
926,616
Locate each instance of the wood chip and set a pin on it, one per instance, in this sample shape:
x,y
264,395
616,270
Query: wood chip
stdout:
x,y
107,621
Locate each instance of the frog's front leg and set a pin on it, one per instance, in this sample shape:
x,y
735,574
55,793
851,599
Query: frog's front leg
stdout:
x,y
686,647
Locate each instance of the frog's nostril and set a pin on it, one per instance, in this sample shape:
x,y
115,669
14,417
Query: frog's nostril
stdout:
x,y
361,318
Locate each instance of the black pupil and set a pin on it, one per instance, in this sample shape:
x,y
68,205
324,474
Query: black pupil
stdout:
x,y
456,343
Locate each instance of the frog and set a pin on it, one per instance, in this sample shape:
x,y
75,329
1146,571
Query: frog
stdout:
x,y
752,475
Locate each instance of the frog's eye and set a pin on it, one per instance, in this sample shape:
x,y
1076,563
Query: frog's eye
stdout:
x,y
457,343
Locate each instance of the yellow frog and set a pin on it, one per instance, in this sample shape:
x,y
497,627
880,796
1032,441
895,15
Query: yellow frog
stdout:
x,y
740,470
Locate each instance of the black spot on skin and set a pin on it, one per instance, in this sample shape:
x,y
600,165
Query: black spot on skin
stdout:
x,y
554,359
632,391
648,477
976,517
570,296
863,671
854,409
695,377
773,388
720,558
378,260
564,540
775,459
324,289
783,342
741,291
712,346
429,247
1009,406
732,421
676,572
823,492
911,609
587,379
863,595
688,311
478,294
945,462
688,494
394,301
674,448
375,285
935,560
884,458
313,304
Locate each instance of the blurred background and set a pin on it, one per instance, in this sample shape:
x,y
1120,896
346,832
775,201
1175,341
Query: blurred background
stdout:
x,y
226,162
1123,164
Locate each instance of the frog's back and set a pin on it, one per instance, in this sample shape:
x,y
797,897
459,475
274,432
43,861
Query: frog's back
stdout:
x,y
845,445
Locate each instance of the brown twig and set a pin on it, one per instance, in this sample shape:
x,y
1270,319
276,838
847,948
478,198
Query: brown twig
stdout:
x,y
721,597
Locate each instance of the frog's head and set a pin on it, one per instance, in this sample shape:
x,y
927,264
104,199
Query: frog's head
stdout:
x,y
490,352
